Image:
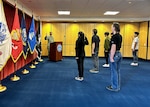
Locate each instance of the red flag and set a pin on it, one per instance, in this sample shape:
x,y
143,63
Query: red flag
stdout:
x,y
17,46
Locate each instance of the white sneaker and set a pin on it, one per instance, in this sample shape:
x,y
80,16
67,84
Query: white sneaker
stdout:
x,y
106,65
94,71
134,64
79,78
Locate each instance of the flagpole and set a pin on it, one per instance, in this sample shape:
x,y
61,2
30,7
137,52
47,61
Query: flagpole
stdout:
x,y
15,77
2,88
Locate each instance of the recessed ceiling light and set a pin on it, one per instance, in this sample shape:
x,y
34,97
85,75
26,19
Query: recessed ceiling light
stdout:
x,y
129,2
63,12
111,12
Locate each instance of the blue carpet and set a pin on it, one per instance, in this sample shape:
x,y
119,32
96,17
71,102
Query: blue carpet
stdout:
x,y
52,84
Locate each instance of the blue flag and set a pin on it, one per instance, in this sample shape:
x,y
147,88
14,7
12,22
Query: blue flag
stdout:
x,y
24,37
32,37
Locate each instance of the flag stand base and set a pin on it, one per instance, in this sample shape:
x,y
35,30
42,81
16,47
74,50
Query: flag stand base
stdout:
x,y
35,63
2,88
40,60
25,71
32,66
15,78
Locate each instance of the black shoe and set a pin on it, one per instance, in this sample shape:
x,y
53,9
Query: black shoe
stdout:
x,y
111,89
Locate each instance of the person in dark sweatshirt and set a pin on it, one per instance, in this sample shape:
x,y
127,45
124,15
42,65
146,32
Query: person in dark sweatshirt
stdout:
x,y
80,54
106,48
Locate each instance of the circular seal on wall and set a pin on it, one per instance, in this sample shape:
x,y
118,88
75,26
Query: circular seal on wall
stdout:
x,y
59,47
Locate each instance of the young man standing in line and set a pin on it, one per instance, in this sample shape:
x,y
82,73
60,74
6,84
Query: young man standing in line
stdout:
x,y
135,47
95,51
106,48
115,58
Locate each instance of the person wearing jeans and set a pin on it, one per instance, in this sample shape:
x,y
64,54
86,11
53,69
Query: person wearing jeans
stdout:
x,y
115,58
135,56
135,47
115,71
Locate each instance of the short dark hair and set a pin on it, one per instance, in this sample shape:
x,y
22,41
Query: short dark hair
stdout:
x,y
95,31
137,33
116,26
81,33
106,33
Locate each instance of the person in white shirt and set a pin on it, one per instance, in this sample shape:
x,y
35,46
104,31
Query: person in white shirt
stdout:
x,y
135,47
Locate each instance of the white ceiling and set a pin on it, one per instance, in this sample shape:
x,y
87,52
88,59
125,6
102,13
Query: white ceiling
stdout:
x,y
90,10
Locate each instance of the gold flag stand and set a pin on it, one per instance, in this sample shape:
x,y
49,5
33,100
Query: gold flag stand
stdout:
x,y
25,71
15,77
35,62
40,60
2,88
32,66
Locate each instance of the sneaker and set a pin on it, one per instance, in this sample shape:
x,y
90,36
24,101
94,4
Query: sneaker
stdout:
x,y
106,65
111,89
79,78
94,71
134,64
40,60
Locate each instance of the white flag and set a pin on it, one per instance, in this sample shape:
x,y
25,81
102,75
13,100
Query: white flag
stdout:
x,y
5,39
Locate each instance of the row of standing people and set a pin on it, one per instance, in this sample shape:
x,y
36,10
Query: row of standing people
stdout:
x,y
111,51
134,48
112,54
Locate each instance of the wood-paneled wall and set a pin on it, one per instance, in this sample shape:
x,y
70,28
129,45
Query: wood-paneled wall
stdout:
x,y
68,33
148,54
143,40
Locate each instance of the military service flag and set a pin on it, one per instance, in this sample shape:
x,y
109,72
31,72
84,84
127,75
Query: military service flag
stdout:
x,y
17,45
5,39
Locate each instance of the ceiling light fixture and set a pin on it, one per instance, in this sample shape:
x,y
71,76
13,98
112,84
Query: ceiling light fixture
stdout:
x,y
63,12
111,12
129,2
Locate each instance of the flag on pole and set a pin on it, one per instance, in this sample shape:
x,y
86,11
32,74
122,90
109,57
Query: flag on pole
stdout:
x,y
24,37
5,38
17,45
32,37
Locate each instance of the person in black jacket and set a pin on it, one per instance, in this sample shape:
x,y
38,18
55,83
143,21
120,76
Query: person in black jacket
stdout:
x,y
80,54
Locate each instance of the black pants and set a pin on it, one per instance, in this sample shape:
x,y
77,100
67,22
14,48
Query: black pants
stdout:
x,y
106,56
80,63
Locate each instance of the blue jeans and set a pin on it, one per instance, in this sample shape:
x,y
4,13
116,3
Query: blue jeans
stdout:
x,y
135,56
115,71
